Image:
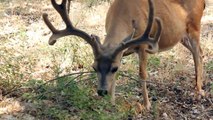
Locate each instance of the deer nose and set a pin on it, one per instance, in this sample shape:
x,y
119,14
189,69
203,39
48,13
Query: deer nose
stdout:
x,y
102,92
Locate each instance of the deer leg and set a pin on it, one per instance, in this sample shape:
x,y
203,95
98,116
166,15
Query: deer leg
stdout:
x,y
143,75
192,44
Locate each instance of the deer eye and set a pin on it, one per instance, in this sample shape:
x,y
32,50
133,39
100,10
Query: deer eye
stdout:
x,y
114,69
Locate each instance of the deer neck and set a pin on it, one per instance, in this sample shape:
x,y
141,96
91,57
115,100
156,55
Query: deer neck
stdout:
x,y
116,33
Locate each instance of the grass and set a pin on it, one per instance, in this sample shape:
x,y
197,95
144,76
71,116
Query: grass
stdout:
x,y
154,62
67,98
29,67
209,65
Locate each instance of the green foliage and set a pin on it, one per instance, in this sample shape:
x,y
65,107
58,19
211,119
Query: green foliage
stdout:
x,y
211,87
69,98
209,65
91,3
153,62
27,63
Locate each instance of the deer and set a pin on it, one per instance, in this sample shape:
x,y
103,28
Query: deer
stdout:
x,y
138,26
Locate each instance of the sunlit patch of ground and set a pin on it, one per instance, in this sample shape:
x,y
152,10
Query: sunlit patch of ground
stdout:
x,y
8,106
12,109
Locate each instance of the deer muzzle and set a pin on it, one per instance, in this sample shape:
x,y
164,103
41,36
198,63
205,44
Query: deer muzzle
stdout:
x,y
102,92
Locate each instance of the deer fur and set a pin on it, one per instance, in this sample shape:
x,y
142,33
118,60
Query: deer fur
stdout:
x,y
181,21
172,22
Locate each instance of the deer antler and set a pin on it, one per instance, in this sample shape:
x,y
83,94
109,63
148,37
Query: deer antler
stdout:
x,y
145,38
70,29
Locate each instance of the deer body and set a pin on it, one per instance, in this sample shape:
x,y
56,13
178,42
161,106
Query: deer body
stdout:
x,y
180,21
122,12
154,28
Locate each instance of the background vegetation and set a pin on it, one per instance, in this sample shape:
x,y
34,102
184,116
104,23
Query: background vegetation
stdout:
x,y
38,81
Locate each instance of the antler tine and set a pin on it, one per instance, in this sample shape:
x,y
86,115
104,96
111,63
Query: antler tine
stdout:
x,y
48,23
144,39
68,10
70,29
150,19
62,10
154,41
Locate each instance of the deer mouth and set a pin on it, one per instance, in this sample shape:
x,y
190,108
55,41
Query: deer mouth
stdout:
x,y
102,92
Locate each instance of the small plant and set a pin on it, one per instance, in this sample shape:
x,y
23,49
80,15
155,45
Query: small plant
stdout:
x,y
209,65
28,65
68,97
153,62
91,3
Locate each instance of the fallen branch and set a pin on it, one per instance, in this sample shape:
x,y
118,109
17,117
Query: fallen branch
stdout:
x,y
137,80
81,73
60,88
37,88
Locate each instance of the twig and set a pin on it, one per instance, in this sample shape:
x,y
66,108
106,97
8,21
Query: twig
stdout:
x,y
81,73
86,79
11,91
60,88
209,100
72,80
205,111
36,88
148,81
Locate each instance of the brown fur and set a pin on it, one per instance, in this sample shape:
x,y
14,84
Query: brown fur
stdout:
x,y
180,20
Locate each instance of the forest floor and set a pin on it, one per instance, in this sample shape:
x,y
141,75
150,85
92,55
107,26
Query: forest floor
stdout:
x,y
38,81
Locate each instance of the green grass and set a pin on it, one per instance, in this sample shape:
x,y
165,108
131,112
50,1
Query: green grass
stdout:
x,y
91,3
69,99
153,62
28,63
209,65
212,88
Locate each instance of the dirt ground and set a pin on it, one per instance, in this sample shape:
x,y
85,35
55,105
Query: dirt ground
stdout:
x,y
22,32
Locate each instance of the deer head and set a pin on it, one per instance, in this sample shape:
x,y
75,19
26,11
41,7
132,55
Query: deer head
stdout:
x,y
106,60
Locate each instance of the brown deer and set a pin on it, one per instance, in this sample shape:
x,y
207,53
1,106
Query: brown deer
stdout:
x,y
138,26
